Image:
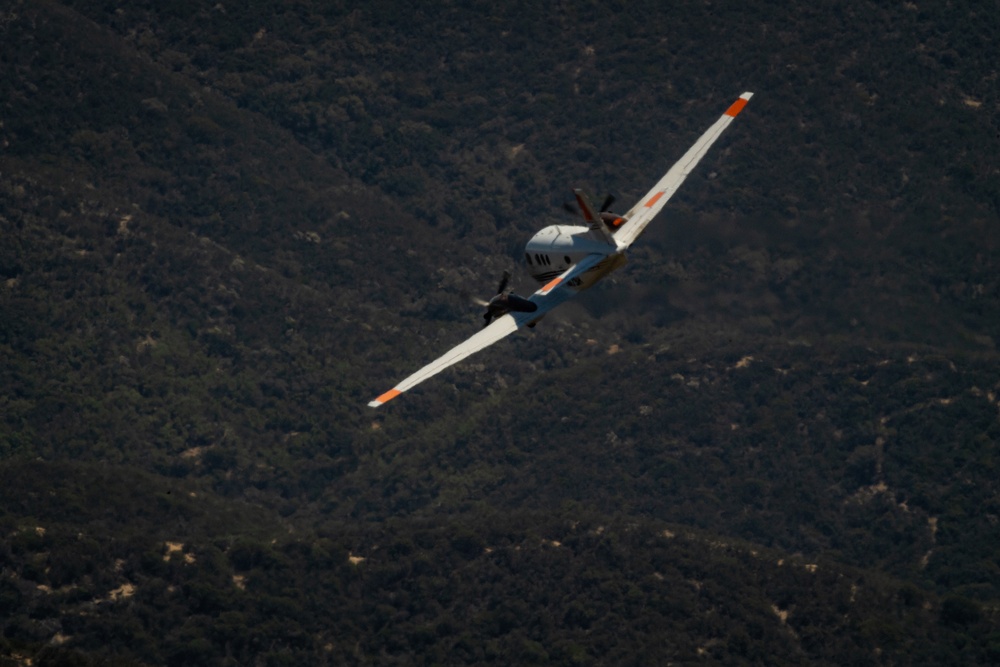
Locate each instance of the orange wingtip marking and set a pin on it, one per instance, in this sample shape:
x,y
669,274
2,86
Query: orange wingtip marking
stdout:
x,y
551,285
388,396
736,107
653,199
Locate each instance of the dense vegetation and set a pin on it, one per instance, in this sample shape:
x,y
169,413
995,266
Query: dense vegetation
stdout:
x,y
771,439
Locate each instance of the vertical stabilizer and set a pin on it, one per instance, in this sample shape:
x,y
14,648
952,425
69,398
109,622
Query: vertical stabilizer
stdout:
x,y
597,227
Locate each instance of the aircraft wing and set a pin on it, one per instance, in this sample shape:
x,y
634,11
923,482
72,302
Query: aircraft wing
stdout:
x,y
647,208
548,297
498,329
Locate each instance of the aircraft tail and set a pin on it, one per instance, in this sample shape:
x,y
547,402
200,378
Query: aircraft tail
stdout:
x,y
594,221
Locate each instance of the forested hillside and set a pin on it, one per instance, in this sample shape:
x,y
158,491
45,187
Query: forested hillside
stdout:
x,y
770,439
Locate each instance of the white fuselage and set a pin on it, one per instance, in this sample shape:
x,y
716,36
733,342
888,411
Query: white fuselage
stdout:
x,y
554,249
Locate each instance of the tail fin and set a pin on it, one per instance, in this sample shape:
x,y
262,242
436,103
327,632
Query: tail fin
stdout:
x,y
594,221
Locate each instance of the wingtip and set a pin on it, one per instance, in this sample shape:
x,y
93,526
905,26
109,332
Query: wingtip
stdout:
x,y
736,107
384,398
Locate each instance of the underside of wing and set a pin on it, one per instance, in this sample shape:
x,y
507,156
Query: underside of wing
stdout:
x,y
647,208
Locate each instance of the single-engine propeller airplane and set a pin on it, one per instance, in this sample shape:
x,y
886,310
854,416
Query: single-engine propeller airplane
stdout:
x,y
567,259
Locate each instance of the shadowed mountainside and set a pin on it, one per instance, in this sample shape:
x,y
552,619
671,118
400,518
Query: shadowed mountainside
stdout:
x,y
769,439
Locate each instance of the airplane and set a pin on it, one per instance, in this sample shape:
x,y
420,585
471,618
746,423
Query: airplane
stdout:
x,y
567,259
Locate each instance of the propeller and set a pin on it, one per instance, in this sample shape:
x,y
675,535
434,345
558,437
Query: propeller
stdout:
x,y
503,282
499,297
505,302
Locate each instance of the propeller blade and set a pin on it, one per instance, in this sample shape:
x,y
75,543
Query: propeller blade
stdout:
x,y
480,302
503,282
570,208
608,201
